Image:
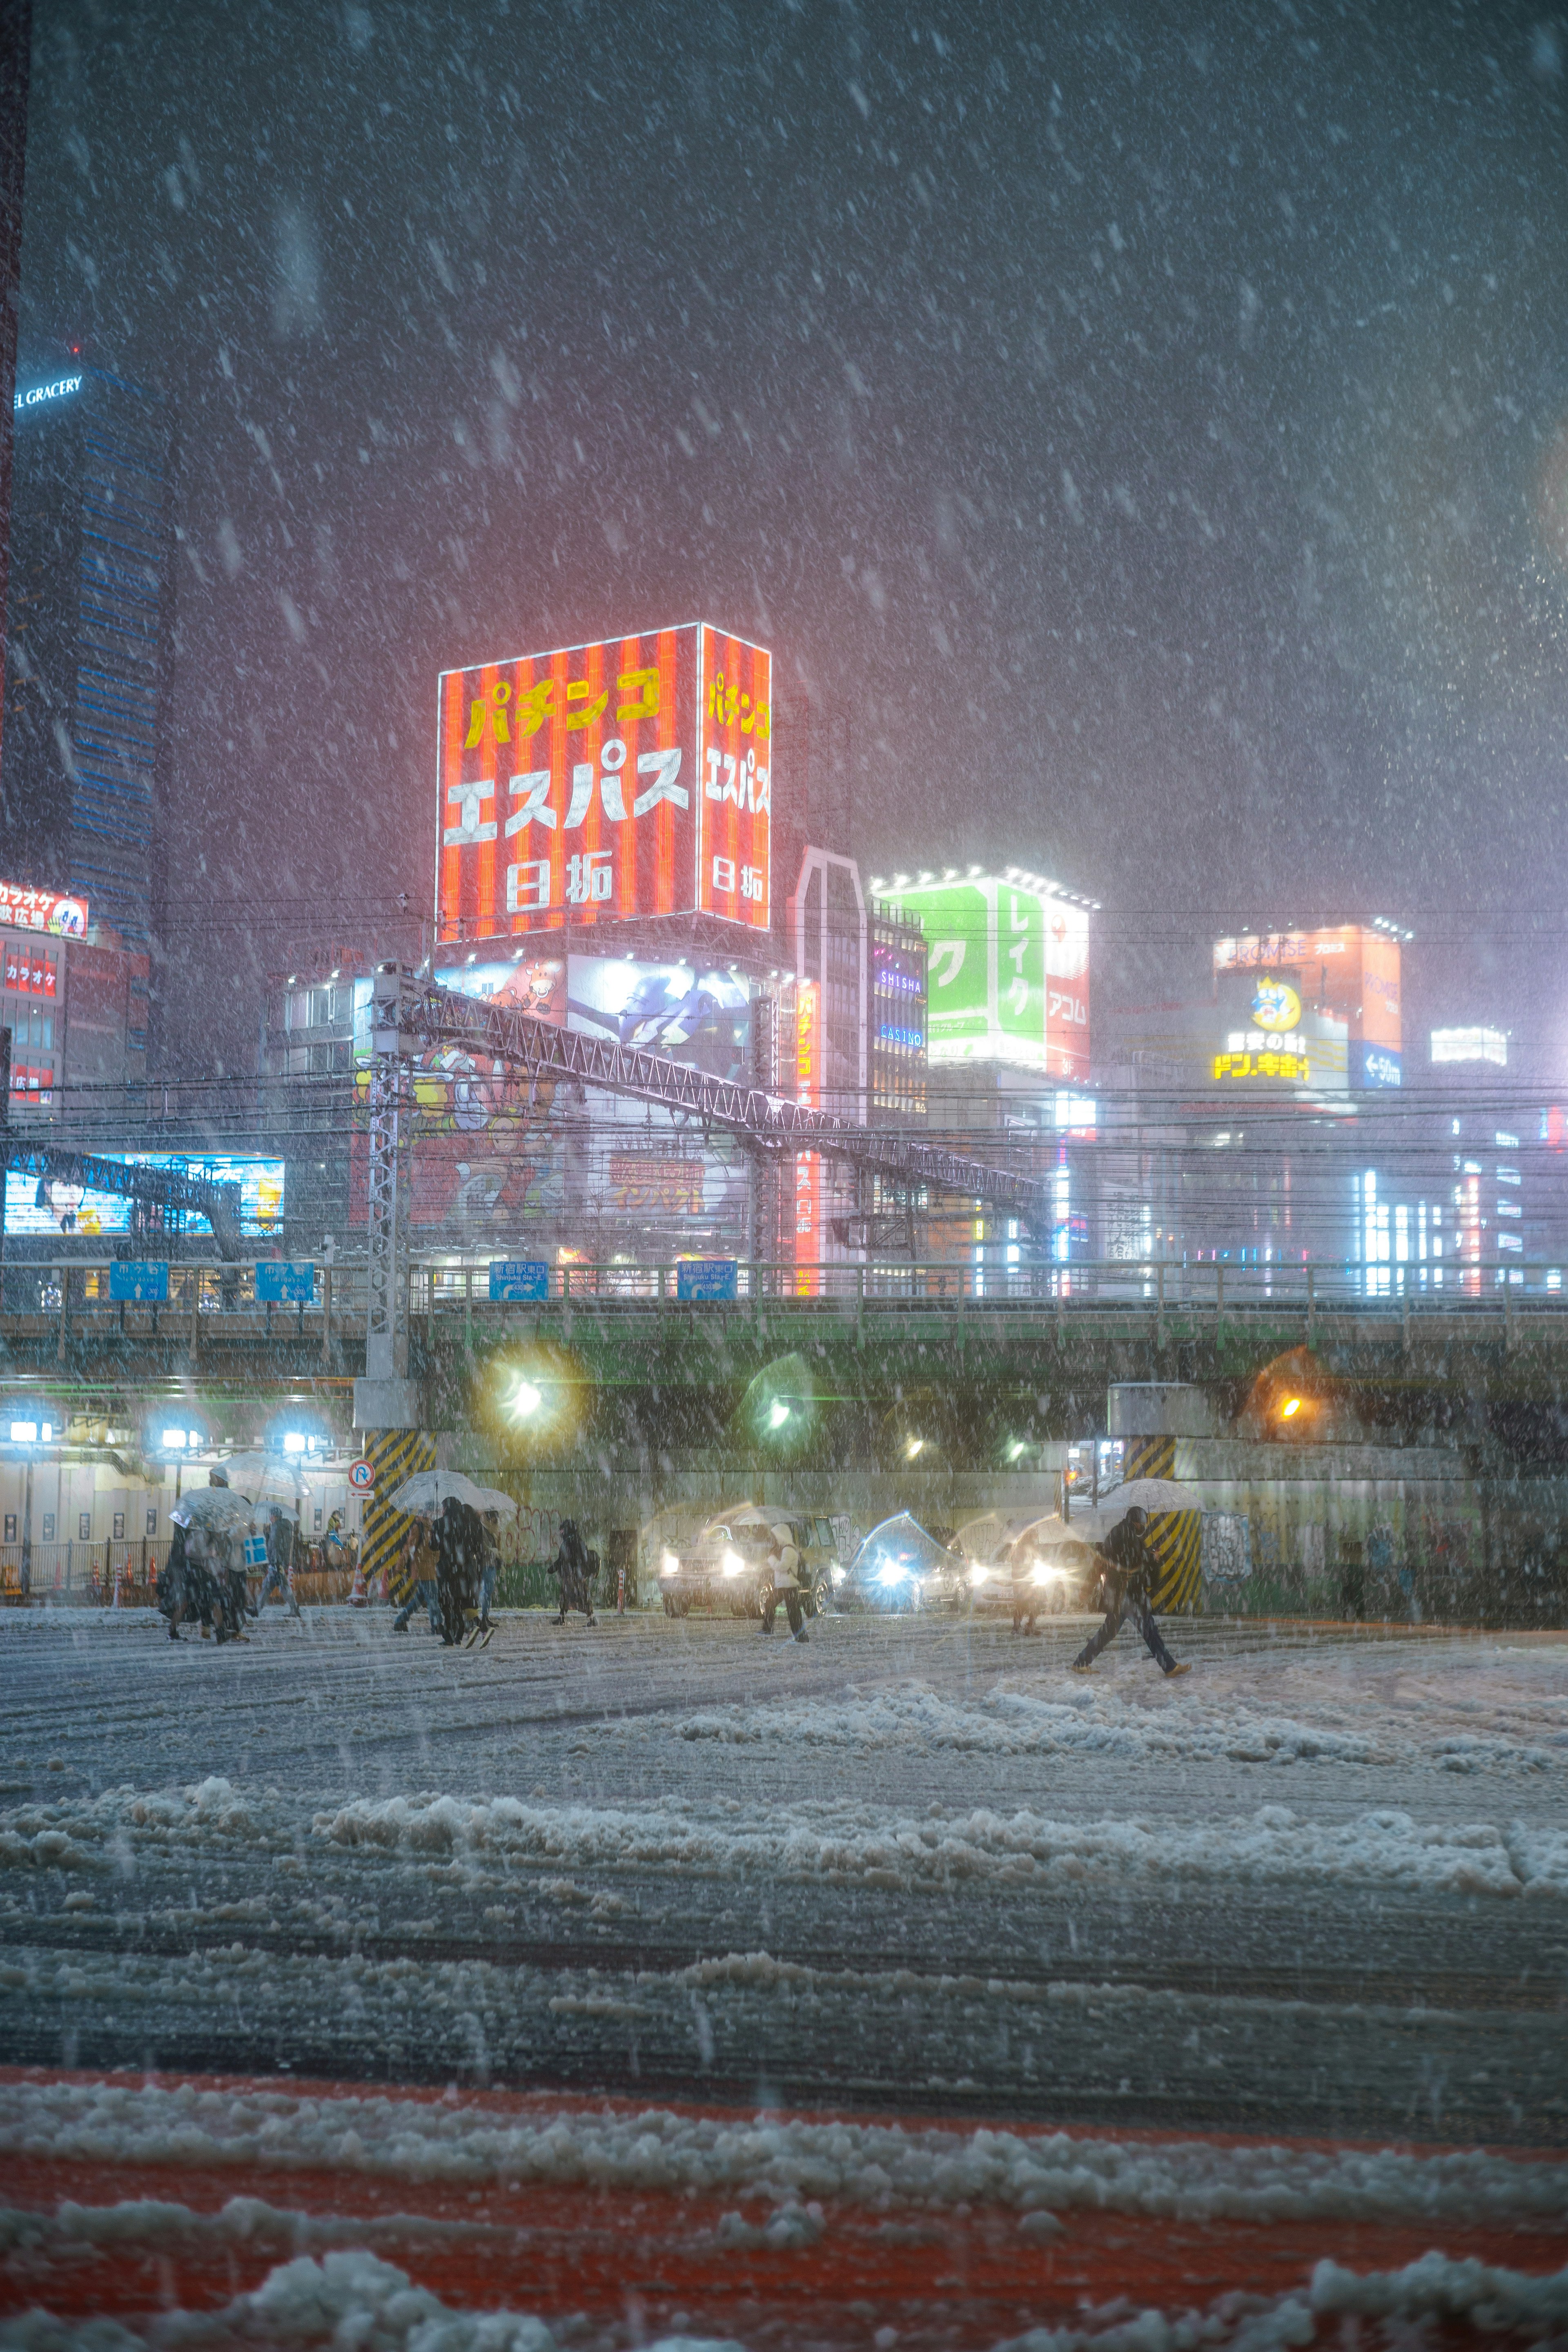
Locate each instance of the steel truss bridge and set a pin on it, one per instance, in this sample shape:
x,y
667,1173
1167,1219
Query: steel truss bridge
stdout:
x,y
408,1015
767,1123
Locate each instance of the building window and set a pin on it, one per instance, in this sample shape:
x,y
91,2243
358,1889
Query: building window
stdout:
x,y
10,1527
119,1535
84,1527
49,1526
152,1520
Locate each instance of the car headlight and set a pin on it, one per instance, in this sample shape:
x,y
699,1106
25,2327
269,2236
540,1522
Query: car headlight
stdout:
x,y
837,1573
892,1574
1042,1574
669,1565
978,1575
732,1564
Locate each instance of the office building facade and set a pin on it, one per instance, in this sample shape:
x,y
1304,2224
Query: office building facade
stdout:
x,y
84,751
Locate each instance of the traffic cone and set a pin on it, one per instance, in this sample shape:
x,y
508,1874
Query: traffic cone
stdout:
x,y
359,1598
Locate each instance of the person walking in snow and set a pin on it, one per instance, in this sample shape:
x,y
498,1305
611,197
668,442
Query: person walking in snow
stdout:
x,y
417,1569
784,1562
1129,1568
280,1557
489,1568
456,1565
186,1594
573,1572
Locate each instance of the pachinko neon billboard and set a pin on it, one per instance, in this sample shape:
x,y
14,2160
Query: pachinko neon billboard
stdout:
x,y
632,777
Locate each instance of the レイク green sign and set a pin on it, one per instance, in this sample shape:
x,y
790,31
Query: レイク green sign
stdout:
x,y
1007,978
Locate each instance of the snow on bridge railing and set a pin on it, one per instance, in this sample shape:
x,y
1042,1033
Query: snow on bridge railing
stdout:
x,y
206,1300
1204,1286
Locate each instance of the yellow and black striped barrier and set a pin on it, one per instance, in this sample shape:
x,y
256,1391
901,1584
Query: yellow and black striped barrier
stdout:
x,y
393,1454
1175,1537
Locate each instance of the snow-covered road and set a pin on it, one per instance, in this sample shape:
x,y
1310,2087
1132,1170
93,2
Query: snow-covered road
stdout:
x,y
1320,1883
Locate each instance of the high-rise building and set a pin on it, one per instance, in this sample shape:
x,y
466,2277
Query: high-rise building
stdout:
x,y
84,747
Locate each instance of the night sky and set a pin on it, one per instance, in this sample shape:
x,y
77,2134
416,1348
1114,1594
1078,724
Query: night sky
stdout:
x,y
1143,435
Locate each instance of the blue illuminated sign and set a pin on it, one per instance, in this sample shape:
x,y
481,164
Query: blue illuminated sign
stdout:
x,y
285,1282
40,392
518,1280
139,1278
707,1277
1379,1067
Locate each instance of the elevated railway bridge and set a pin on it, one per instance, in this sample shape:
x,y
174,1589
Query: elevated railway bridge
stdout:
x,y
422,1344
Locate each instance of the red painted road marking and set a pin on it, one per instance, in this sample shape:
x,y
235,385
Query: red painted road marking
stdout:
x,y
956,2277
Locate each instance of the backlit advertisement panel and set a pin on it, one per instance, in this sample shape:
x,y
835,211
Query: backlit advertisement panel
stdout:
x,y
690,1013
1007,972
42,910
37,1205
737,760
1349,972
491,1159
630,777
1270,1041
484,1161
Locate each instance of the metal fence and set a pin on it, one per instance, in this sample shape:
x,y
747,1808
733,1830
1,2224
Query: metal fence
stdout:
x,y
220,1302
85,1571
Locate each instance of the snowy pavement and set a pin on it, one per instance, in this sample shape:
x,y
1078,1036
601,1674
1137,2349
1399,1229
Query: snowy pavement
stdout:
x,y
1320,1884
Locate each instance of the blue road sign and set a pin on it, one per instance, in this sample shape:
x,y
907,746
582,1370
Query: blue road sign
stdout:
x,y
708,1278
139,1278
526,1278
285,1282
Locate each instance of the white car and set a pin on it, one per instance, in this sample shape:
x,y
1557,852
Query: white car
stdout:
x,y
1037,1568
745,1560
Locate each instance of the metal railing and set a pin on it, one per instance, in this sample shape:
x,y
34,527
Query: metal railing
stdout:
x,y
209,1304
88,1571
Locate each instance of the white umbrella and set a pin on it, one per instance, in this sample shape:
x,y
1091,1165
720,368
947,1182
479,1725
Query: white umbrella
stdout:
x,y
1149,1495
1050,1533
263,1479
213,1506
426,1490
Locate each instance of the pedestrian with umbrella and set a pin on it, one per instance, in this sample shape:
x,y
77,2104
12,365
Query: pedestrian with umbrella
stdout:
x,y
414,1580
280,1561
451,1505
219,1519
458,1546
1129,1575
489,1568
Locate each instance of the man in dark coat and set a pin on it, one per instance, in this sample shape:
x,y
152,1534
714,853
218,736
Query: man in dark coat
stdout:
x,y
573,1570
456,1565
1129,1571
